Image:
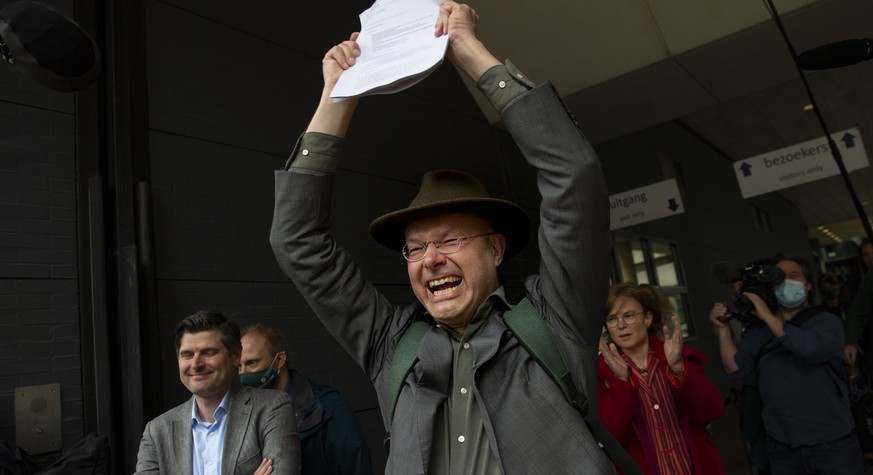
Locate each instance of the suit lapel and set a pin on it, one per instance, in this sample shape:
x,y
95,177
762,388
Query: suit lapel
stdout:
x,y
435,355
181,441
239,411
488,340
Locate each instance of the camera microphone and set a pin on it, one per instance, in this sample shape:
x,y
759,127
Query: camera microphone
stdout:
x,y
726,272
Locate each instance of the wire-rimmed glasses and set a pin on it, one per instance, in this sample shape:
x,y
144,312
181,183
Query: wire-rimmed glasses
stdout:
x,y
415,251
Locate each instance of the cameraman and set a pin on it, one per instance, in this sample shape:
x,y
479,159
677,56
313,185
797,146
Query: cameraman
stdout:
x,y
797,354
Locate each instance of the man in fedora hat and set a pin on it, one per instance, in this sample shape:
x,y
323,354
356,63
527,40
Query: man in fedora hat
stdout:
x,y
475,401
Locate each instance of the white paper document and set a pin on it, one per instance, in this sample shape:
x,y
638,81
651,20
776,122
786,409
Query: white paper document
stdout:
x,y
398,48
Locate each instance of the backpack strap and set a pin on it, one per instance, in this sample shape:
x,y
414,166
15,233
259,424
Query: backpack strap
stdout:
x,y
535,336
836,366
402,362
805,315
773,343
533,333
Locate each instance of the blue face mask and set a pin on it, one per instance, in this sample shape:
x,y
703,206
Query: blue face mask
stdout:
x,y
790,293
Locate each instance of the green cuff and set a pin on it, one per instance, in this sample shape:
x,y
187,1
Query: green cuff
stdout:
x,y
315,154
503,83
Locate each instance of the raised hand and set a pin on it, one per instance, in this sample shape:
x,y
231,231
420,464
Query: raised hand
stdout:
x,y
331,117
673,343
465,51
614,359
718,315
851,353
456,20
339,58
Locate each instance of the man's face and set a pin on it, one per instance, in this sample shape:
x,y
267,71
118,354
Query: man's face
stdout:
x,y
793,271
452,286
206,367
867,254
255,353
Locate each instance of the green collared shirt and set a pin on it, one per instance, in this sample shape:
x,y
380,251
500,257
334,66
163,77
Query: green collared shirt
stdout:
x,y
460,444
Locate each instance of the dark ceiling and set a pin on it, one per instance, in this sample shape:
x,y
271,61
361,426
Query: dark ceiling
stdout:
x,y
721,67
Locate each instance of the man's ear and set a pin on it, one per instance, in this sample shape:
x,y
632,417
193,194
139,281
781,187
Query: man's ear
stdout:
x,y
498,248
281,359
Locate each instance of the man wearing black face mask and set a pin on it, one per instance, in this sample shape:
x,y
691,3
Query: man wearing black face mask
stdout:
x,y
331,441
797,354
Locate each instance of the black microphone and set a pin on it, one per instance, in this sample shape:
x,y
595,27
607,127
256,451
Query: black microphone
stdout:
x,y
836,55
726,272
47,47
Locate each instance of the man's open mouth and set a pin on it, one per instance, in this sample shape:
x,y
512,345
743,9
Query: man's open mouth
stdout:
x,y
443,285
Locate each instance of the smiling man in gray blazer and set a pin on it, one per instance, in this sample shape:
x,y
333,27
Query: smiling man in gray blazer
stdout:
x,y
224,428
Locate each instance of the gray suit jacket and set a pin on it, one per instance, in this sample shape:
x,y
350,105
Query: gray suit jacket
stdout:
x,y
529,424
260,425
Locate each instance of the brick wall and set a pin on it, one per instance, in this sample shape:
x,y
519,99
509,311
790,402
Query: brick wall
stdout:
x,y
39,299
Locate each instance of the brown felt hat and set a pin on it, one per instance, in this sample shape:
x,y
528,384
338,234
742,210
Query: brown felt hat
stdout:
x,y
451,191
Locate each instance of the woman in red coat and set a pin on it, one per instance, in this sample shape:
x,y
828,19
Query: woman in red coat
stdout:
x,y
652,392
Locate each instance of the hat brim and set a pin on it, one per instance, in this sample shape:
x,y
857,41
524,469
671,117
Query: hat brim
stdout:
x,y
507,217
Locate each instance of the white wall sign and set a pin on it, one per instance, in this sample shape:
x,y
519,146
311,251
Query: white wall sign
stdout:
x,y
799,163
646,203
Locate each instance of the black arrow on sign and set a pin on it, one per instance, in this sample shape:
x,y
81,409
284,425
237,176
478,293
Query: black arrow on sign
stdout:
x,y
673,205
746,169
848,139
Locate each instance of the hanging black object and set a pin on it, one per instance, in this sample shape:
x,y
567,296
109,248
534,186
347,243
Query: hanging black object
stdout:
x,y
47,47
836,55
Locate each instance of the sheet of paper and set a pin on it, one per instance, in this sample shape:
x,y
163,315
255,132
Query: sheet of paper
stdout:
x,y
398,48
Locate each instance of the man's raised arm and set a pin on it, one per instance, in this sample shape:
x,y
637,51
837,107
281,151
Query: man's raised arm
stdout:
x,y
330,117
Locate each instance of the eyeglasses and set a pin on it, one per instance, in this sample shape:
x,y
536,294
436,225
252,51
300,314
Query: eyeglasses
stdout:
x,y
415,251
629,318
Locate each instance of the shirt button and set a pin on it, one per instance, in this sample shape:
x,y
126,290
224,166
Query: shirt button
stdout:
x,y
461,439
305,152
519,75
209,463
501,84
463,390
466,346
657,407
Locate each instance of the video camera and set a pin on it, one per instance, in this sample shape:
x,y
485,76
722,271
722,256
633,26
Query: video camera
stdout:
x,y
758,277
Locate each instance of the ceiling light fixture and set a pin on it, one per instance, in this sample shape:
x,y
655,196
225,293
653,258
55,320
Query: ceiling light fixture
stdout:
x,y
832,235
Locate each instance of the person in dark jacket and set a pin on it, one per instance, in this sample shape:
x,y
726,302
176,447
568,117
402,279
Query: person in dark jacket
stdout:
x,y
797,353
331,441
